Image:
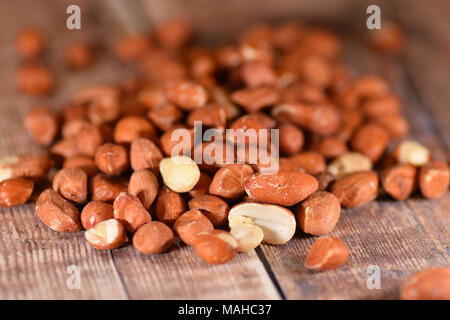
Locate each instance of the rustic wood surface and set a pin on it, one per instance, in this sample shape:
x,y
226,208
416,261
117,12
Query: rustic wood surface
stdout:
x,y
398,237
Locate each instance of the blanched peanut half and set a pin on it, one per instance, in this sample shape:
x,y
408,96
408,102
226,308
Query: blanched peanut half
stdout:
x,y
326,253
179,173
277,223
348,163
106,235
411,152
248,234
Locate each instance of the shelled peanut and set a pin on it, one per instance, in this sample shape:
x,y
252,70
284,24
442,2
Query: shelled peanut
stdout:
x,y
341,140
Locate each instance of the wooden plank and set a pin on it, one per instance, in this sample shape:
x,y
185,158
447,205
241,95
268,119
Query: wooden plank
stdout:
x,y
34,259
181,274
398,237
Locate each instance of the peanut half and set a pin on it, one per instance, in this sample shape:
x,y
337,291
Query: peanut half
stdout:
x,y
277,223
248,234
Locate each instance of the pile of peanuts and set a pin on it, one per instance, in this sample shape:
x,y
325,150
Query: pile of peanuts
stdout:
x,y
341,139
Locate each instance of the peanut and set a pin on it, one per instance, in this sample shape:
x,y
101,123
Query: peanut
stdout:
x,y
72,184
327,252
429,284
190,224
152,238
106,235
57,213
214,208
216,247
112,159
247,234
95,212
42,124
228,182
319,213
130,211
144,185
356,189
277,223
348,163
169,206
434,179
411,152
284,188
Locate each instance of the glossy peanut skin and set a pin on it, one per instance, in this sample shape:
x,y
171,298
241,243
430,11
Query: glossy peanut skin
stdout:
x,y
57,213
283,188
14,192
129,210
356,189
429,284
95,212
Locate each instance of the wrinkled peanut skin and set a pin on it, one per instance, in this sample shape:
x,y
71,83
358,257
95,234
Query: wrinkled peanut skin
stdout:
x,y
319,213
190,224
228,182
107,188
129,210
57,213
169,206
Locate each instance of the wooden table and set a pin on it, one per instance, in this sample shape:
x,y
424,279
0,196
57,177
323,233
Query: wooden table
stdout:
x,y
398,237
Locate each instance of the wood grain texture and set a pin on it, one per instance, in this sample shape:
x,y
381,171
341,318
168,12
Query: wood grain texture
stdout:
x,y
34,259
399,237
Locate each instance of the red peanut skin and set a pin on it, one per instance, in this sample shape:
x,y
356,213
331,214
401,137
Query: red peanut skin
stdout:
x,y
285,188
